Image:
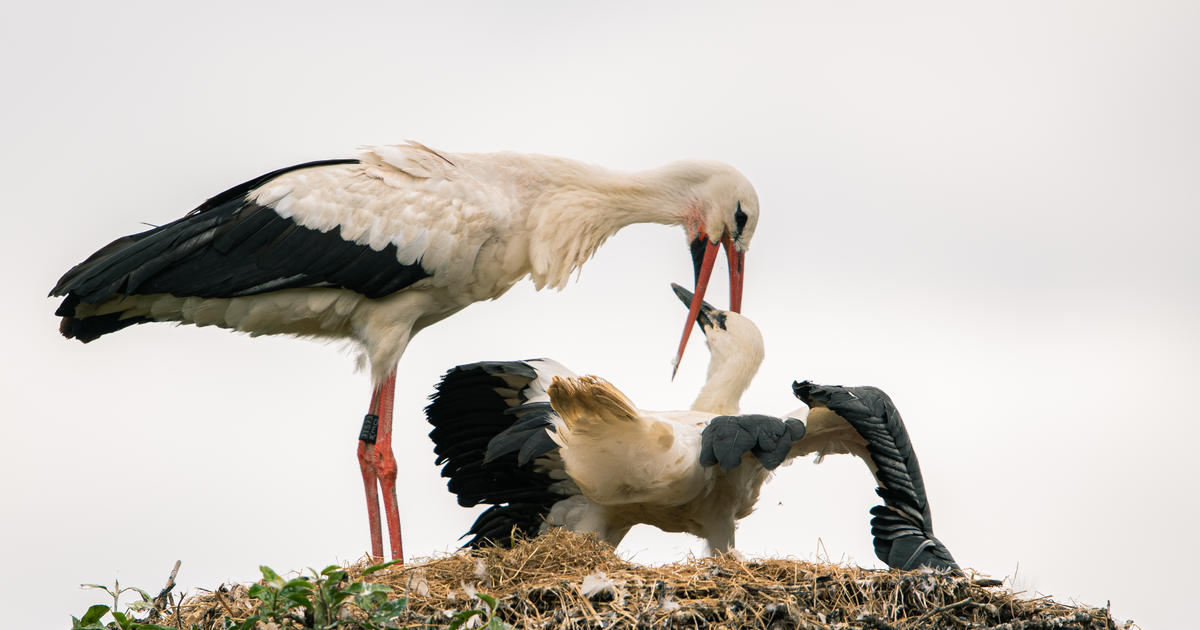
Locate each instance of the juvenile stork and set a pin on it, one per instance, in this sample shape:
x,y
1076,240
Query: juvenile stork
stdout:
x,y
545,447
374,249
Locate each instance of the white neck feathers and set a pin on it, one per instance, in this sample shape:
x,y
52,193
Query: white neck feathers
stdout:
x,y
573,208
736,356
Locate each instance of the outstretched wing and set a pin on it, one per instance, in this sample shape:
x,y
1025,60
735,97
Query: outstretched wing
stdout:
x,y
490,420
366,225
863,421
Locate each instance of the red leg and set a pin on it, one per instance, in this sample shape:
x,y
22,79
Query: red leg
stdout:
x,y
368,461
387,466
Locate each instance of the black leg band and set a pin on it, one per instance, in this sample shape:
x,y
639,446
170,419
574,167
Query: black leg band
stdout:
x,y
370,428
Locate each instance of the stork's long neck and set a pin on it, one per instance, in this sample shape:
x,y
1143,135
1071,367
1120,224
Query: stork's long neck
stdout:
x,y
573,208
730,371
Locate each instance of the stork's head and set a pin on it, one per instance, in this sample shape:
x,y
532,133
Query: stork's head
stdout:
x,y
721,212
736,349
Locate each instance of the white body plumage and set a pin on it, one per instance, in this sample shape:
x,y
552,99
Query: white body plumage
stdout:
x,y
475,223
633,466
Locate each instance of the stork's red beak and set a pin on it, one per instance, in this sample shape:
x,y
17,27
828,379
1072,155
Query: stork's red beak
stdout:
x,y
737,266
704,255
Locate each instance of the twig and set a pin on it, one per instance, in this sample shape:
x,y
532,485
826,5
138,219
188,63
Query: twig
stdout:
x,y
590,609
224,604
958,604
524,562
178,614
160,602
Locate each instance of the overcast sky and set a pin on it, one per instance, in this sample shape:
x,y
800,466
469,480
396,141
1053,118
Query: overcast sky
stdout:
x,y
988,211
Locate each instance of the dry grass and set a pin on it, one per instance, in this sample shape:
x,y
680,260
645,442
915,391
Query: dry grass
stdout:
x,y
541,584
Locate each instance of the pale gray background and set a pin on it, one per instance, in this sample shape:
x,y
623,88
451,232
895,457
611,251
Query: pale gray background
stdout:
x,y
987,210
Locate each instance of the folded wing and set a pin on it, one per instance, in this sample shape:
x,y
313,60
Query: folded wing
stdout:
x,y
373,226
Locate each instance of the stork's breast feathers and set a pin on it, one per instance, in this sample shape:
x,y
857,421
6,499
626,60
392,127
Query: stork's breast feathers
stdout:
x,y
441,224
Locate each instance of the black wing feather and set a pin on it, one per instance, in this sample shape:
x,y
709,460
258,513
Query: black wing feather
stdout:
x,y
487,437
227,247
727,438
903,526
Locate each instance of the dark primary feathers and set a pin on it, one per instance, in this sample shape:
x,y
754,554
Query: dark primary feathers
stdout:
x,y
903,526
727,438
227,247
487,434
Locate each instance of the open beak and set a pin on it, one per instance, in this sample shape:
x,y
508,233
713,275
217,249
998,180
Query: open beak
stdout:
x,y
704,255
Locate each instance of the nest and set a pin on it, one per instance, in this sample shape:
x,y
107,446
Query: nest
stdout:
x,y
563,580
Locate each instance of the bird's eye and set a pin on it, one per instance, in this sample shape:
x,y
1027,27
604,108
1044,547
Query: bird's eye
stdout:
x,y
741,218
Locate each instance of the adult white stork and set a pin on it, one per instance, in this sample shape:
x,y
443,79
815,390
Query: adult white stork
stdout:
x,y
375,249
547,448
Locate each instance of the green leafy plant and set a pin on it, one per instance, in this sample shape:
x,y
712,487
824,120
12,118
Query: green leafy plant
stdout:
x,y
490,620
319,601
91,620
373,600
313,602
